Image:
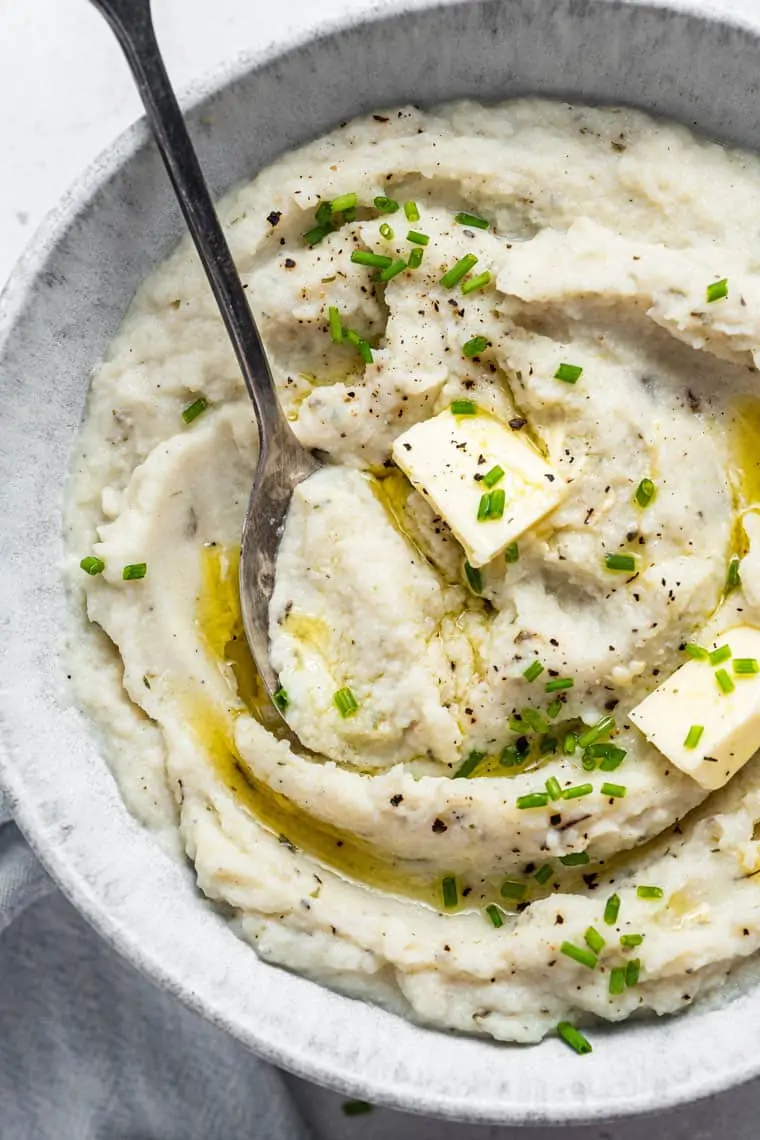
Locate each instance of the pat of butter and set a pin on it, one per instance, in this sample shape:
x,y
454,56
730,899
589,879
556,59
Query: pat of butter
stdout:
x,y
446,457
692,696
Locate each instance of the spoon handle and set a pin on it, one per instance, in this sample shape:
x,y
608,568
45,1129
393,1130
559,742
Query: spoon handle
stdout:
x,y
132,23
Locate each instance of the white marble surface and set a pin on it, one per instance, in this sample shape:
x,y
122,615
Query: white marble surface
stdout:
x,y
65,94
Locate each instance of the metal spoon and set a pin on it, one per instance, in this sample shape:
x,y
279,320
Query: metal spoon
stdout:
x,y
282,462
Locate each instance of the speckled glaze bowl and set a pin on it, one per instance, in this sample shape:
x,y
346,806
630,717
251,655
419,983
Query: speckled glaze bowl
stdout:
x,y
59,312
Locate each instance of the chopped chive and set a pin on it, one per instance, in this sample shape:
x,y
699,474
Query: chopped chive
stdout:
x,y
588,763
411,211
554,708
463,408
336,329
344,202
468,765
281,699
601,749
192,411
464,219
362,346
386,232
650,892
449,891
745,666
492,477
476,283
577,791
612,910
574,1038
645,492
535,669
558,684
134,571
534,800
516,723
345,702
613,759
553,789
569,744
594,940
725,684
512,890
575,859
415,258
316,235
733,576
498,502
474,346
615,791
510,757
376,260
386,205
602,728
548,745
717,290
579,954
392,270
570,373
693,736
323,214
543,874
633,972
617,980
696,651
722,653
484,507
349,215
494,914
626,562
462,267
512,553
92,565
534,720
629,941
416,238
356,1107
474,578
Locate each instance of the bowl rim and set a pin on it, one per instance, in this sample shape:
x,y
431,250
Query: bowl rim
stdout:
x,y
48,845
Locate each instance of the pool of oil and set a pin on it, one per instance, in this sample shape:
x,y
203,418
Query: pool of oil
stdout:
x,y
744,438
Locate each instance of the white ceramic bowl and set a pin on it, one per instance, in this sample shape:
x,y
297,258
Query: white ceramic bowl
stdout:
x,y
62,307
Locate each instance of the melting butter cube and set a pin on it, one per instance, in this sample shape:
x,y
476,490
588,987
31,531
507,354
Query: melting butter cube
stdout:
x,y
693,699
454,460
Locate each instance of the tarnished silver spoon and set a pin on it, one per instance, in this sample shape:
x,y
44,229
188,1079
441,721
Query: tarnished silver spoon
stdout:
x,y
282,462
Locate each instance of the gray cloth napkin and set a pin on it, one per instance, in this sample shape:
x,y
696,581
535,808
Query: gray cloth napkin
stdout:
x,y
91,1050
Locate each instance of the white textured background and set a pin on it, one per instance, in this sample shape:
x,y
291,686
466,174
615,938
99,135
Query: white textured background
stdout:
x,y
65,93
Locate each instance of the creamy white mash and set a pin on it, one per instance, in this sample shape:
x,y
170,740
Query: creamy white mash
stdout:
x,y
461,821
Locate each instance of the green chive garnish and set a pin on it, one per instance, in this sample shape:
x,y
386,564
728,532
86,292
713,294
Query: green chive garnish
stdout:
x,y
574,1038
376,260
633,971
615,791
411,211
588,763
476,283
512,890
645,492
613,759
650,892
534,800
360,344
594,940
535,669
415,258
484,507
474,578
356,1107
553,788
612,910
386,205
717,290
474,346
693,736
602,728
517,724
281,700
416,238
449,892
510,757
498,502
512,553
570,373
464,219
392,270
626,562
617,980
554,708
722,653
315,236
463,408
134,571
629,941
745,666
344,202
577,791
696,651
494,914
569,744
454,275
575,859
579,954
543,874
492,477
733,576
192,411
534,720
386,232
336,329
345,702
468,766
92,565
725,684
558,684
323,214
